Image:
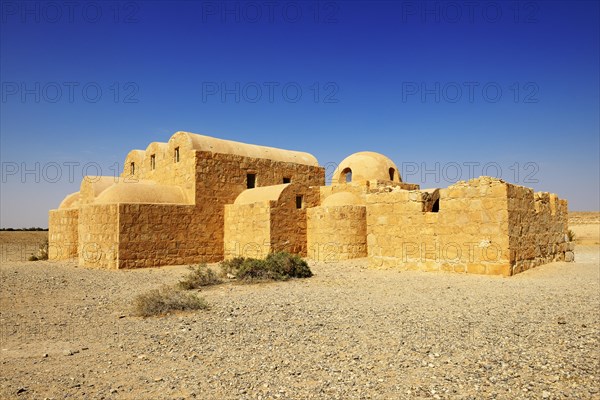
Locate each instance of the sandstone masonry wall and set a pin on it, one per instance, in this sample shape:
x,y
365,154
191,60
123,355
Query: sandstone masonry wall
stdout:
x,y
538,225
337,232
98,236
468,234
247,230
63,233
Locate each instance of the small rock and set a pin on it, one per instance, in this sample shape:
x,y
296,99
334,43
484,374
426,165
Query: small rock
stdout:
x,y
569,256
21,390
67,352
44,355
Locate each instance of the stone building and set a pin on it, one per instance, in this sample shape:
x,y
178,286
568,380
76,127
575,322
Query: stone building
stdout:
x,y
201,199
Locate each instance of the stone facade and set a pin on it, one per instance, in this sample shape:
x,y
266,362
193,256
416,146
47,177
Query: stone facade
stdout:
x,y
268,219
200,199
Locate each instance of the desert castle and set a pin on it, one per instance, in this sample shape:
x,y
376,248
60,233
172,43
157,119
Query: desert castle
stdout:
x,y
202,199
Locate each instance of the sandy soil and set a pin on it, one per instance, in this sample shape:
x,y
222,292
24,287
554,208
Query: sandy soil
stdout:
x,y
347,332
19,246
586,226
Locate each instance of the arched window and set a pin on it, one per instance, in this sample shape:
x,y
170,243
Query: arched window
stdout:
x,y
436,206
346,176
132,168
392,174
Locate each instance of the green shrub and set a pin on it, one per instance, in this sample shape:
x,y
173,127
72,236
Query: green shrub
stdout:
x,y
166,300
277,266
200,275
231,266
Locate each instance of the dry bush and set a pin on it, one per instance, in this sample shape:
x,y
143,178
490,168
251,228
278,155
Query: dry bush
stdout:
x,y
42,253
166,300
200,275
278,266
571,235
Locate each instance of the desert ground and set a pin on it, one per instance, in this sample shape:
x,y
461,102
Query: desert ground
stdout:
x,y
346,333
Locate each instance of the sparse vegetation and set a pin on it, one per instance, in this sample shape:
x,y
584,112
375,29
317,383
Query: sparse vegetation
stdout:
x,y
42,253
571,235
200,275
166,300
278,266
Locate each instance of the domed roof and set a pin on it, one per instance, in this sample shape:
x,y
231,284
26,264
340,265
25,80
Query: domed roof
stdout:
x,y
261,194
71,201
207,143
141,192
342,199
364,166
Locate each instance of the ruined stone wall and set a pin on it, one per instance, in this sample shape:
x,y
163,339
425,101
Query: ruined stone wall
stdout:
x,y
63,233
247,230
98,236
361,189
538,228
337,232
468,234
152,235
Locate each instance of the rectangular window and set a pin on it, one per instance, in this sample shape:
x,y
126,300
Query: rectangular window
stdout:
x,y
287,180
153,162
132,168
298,202
251,181
176,156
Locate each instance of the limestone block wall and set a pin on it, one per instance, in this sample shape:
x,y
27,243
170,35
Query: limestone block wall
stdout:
x,y
538,225
288,222
337,232
63,233
152,235
361,189
468,234
222,177
247,230
266,225
98,236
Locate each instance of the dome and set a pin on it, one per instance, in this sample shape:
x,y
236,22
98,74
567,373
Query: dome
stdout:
x,y
207,143
71,201
261,194
342,199
365,166
141,192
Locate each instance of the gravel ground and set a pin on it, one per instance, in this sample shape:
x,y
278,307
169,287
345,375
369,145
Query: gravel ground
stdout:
x,y
345,333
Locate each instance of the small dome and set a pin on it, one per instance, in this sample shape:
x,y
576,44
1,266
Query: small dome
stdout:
x,y
342,199
71,201
365,166
261,194
141,192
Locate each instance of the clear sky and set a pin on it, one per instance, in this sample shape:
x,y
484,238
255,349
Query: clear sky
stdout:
x,y
445,89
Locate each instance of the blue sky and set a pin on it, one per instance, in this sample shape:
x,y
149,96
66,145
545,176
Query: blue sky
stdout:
x,y
445,89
